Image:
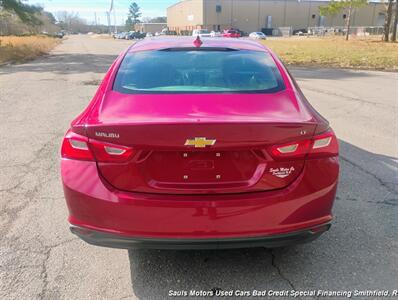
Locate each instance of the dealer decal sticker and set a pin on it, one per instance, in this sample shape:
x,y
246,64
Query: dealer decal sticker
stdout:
x,y
281,172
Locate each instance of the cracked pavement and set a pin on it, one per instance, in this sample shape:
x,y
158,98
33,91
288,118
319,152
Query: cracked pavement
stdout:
x,y
41,259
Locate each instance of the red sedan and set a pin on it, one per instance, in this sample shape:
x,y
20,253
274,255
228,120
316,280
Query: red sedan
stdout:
x,y
231,33
199,144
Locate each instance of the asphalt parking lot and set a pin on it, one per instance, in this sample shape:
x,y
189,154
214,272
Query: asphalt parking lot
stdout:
x,y
41,259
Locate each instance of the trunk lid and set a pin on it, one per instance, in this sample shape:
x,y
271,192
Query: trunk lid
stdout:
x,y
164,129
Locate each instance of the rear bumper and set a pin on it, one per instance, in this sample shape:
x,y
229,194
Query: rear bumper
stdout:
x,y
260,218
99,238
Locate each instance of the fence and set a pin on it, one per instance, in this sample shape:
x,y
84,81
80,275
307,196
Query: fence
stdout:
x,y
360,31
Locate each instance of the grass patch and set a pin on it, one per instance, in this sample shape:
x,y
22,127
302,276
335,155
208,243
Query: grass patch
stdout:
x,y
18,49
337,53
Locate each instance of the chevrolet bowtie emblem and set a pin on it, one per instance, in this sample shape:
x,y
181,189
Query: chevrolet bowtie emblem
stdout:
x,y
199,142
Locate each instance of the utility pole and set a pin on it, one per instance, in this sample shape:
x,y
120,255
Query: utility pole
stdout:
x,y
348,21
114,19
114,14
108,19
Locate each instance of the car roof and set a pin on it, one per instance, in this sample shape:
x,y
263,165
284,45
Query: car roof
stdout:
x,y
187,42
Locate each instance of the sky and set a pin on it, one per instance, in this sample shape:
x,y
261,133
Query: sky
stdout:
x,y
88,8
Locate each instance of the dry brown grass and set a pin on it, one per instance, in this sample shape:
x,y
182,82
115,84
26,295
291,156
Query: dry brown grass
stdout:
x,y
23,48
337,53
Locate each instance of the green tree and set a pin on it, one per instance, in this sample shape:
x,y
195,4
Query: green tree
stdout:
x,y
129,23
336,7
26,13
134,14
158,20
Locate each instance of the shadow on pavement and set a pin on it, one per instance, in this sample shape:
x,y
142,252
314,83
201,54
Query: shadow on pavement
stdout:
x,y
381,169
356,253
64,64
156,272
76,63
301,73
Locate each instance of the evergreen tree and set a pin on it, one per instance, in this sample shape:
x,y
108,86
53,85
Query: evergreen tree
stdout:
x,y
134,14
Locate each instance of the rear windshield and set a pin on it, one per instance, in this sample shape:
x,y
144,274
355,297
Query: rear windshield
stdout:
x,y
198,71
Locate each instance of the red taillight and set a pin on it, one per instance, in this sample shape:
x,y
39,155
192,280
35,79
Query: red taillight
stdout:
x,y
319,146
106,152
324,144
292,150
75,146
79,147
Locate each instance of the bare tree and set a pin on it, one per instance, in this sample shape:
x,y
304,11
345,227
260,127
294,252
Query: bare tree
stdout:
x,y
66,17
71,21
387,21
336,7
395,24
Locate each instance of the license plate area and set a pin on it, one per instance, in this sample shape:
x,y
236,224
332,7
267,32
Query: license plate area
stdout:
x,y
201,166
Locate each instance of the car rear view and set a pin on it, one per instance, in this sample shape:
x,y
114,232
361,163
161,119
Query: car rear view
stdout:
x,y
231,33
199,144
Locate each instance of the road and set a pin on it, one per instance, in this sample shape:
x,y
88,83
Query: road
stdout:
x,y
41,259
